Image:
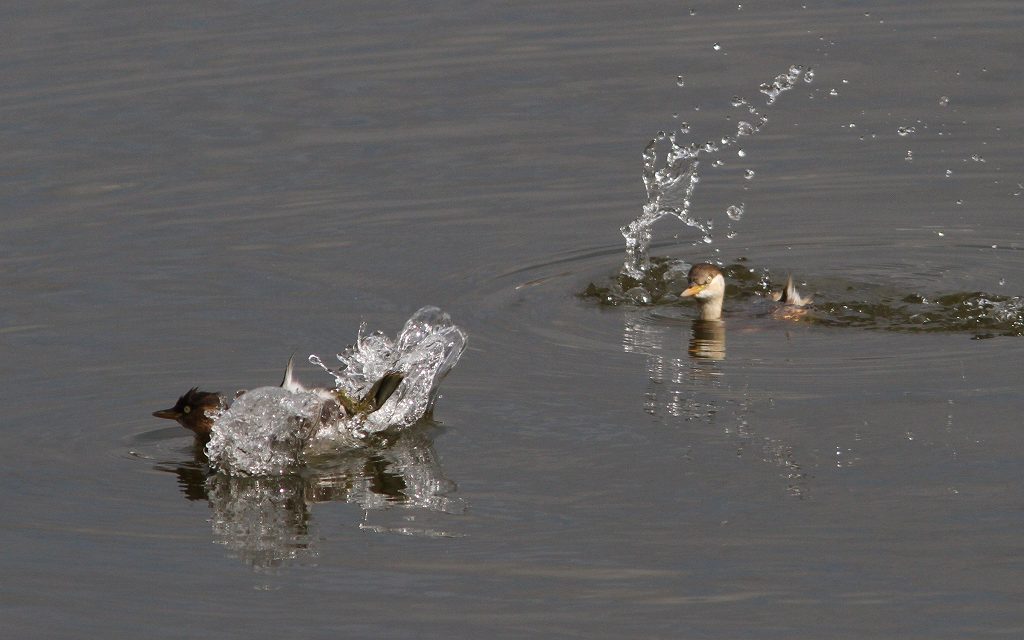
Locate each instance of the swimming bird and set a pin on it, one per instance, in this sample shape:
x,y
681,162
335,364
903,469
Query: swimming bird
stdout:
x,y
707,287
196,409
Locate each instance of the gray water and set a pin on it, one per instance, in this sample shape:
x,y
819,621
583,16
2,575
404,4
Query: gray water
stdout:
x,y
191,192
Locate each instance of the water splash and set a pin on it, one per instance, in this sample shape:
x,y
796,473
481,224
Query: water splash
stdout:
x,y
425,350
671,172
270,430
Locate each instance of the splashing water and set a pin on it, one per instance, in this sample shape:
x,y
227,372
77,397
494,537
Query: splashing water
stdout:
x,y
671,181
425,350
269,430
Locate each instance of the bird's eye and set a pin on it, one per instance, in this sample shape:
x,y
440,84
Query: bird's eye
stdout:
x,y
187,409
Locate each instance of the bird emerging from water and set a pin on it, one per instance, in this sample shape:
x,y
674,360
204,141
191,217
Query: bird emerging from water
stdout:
x,y
197,409
707,287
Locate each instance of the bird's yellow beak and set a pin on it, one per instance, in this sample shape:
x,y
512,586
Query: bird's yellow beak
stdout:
x,y
694,290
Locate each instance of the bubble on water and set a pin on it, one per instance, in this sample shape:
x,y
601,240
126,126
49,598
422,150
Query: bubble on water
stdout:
x,y
959,202
741,153
735,212
944,101
693,12
675,115
905,131
833,92
680,81
716,46
949,173
809,75
910,156
749,174
1002,282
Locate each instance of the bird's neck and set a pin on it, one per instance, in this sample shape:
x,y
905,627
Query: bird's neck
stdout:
x,y
711,309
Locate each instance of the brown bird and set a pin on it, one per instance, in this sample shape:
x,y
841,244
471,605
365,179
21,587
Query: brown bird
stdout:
x,y
707,287
194,411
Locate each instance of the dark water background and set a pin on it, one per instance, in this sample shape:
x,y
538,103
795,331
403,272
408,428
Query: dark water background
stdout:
x,y
191,191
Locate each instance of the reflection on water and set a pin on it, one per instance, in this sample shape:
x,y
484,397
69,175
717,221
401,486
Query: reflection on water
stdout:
x,y
708,339
696,388
266,521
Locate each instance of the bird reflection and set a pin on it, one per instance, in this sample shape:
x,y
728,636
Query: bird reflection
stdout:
x,y
696,387
708,339
266,521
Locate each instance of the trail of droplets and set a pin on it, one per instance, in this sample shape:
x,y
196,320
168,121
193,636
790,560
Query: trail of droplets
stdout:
x,y
670,188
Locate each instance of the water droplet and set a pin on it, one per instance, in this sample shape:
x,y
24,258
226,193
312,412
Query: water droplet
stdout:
x,y
905,131
679,81
717,163
738,101
833,92
910,156
693,12
949,173
749,174
977,158
716,47
1002,282
744,128
735,212
852,125
944,101
941,234
959,202
741,153
707,239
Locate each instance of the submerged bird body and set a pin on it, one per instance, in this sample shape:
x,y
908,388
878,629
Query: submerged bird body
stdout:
x,y
707,287
196,410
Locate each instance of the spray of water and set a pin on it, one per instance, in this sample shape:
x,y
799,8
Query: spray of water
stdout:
x,y
670,181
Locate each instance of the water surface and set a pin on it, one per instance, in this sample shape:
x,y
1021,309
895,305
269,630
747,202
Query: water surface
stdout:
x,y
192,193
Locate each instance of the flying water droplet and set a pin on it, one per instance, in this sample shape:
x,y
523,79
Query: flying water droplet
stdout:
x,y
680,82
910,156
944,101
716,47
741,153
749,174
735,212
905,131
949,173
977,158
833,92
